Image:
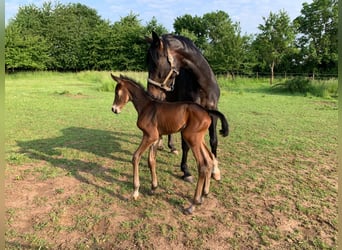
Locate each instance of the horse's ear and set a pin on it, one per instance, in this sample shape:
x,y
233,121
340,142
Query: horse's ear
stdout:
x,y
156,41
155,36
115,78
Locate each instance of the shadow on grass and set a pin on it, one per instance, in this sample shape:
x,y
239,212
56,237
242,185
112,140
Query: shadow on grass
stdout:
x,y
69,152
59,152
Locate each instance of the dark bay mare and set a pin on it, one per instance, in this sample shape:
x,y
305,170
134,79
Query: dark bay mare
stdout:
x,y
156,118
177,71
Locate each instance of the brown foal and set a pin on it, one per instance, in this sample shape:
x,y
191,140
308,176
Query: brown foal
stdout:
x,y
156,118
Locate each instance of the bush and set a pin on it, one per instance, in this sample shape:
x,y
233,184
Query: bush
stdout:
x,y
294,85
300,85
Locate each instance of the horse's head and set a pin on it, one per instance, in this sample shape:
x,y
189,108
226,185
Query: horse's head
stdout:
x,y
162,64
121,96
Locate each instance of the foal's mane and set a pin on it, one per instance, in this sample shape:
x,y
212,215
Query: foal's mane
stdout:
x,y
137,84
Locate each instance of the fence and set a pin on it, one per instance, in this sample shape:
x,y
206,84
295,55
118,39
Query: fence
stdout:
x,y
283,75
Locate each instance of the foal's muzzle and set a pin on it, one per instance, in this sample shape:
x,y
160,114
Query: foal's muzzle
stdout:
x,y
115,109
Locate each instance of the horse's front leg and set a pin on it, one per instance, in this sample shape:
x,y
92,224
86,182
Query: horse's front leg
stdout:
x,y
145,143
152,165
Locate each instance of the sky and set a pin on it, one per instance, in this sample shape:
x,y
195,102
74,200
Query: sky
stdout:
x,y
248,13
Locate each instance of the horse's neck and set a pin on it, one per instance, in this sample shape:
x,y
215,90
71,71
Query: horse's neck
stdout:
x,y
139,98
200,67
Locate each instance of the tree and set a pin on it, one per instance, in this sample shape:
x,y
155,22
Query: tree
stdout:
x,y
317,26
129,45
153,25
69,28
25,50
218,38
275,40
226,44
193,28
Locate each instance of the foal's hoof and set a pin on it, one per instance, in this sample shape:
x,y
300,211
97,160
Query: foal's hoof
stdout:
x,y
135,196
188,178
189,210
152,191
216,173
216,176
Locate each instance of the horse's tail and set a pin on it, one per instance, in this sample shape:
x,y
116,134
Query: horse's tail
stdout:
x,y
225,126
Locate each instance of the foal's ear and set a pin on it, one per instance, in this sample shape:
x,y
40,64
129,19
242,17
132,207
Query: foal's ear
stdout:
x,y
115,78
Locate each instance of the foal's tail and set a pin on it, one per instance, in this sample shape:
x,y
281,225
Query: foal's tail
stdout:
x,y
225,126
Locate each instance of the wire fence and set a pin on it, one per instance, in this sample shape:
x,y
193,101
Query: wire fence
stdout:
x,y
283,75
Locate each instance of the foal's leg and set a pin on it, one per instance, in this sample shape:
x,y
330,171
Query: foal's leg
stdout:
x,y
208,162
145,143
216,173
160,143
205,163
152,165
199,150
213,144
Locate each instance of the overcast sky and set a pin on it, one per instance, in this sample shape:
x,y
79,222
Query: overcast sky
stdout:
x,y
248,13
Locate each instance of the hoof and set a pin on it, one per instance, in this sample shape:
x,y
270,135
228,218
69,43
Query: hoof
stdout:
x,y
189,210
198,202
152,191
174,151
216,173
216,176
135,196
188,178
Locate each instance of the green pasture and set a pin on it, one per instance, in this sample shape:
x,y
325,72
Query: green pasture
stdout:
x,y
69,172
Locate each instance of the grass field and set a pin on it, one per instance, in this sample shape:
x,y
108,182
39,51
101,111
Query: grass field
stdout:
x,y
69,174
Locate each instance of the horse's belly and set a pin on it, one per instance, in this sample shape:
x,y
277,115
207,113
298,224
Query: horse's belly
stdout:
x,y
169,128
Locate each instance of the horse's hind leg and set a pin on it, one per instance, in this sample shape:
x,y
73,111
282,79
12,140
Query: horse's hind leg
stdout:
x,y
171,145
184,167
213,135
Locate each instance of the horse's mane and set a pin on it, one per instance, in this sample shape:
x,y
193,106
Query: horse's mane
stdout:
x,y
175,42
178,42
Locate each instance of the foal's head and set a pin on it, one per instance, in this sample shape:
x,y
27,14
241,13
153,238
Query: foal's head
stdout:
x,y
121,96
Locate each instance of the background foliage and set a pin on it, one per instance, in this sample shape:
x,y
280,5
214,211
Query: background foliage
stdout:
x,y
74,37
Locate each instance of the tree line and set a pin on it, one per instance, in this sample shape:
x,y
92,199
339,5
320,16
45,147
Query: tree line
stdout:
x,y
73,37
